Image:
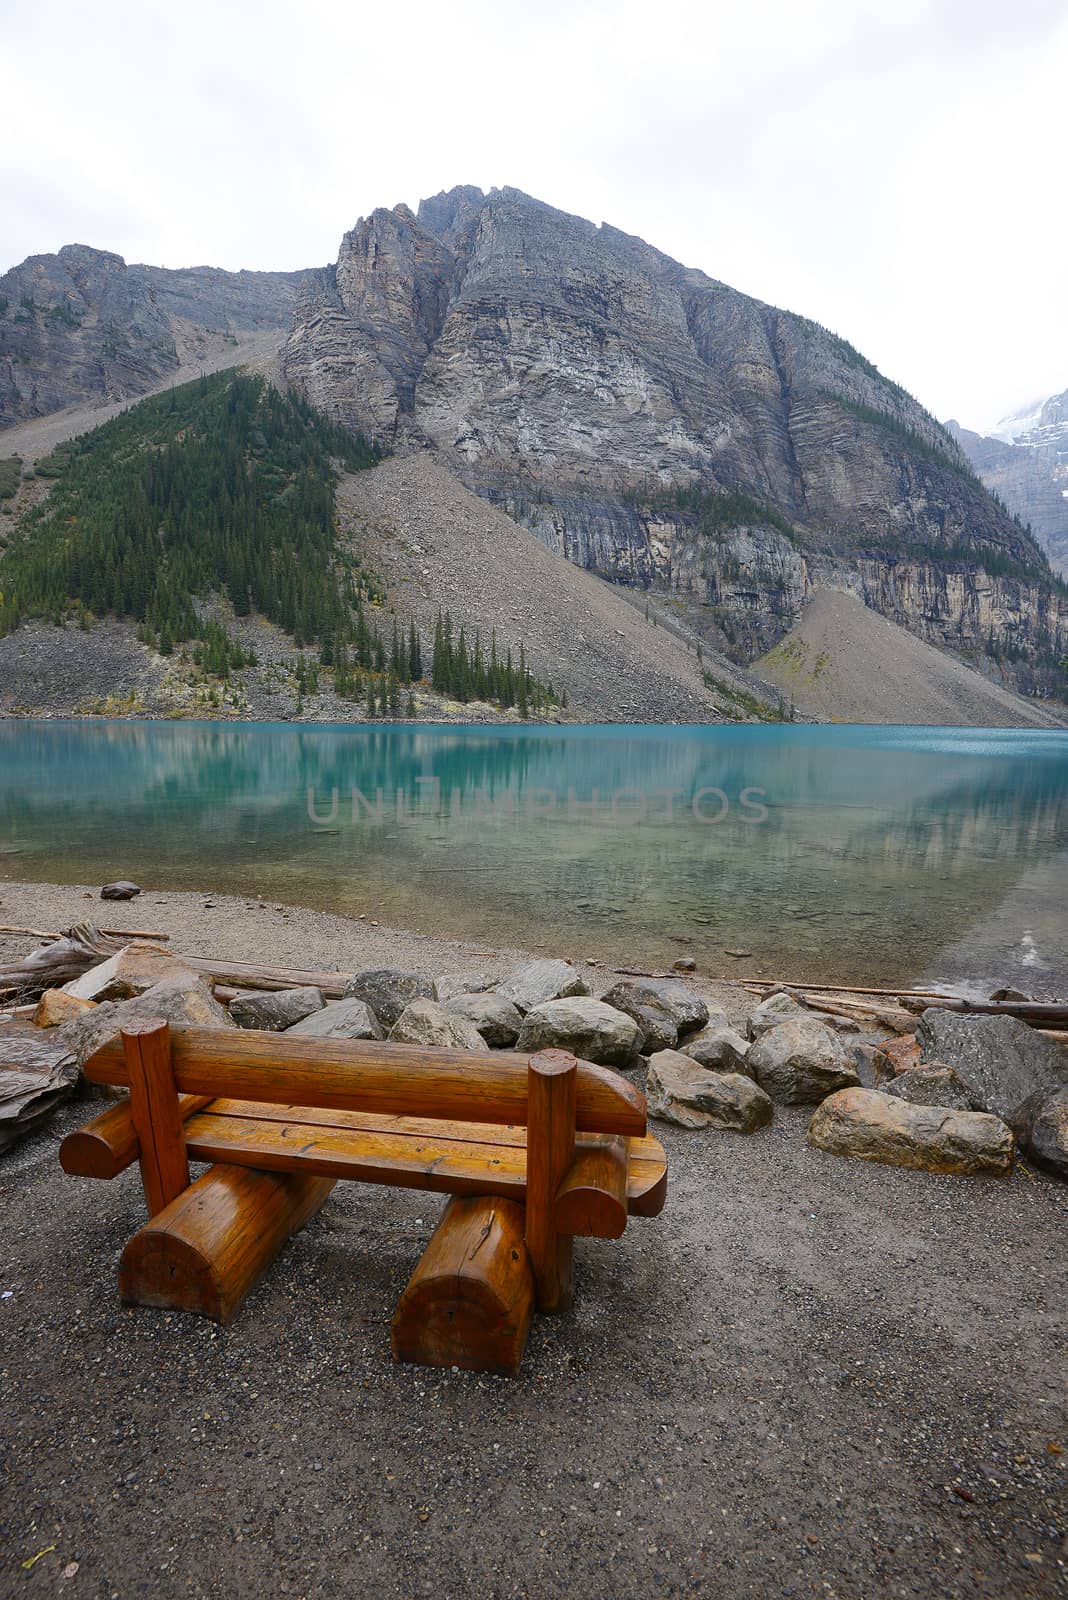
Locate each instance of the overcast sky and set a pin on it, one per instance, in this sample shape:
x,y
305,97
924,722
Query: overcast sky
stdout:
x,y
893,168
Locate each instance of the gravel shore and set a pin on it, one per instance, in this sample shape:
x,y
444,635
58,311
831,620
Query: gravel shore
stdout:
x,y
808,1377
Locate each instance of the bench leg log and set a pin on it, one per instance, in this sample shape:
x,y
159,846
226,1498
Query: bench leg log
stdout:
x,y
469,1301
206,1249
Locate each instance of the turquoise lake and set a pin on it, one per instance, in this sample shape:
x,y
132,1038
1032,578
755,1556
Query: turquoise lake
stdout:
x,y
867,853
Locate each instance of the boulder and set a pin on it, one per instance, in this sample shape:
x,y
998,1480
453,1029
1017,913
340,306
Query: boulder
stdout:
x,y
454,983
183,999
892,1056
341,1019
132,970
496,1018
678,1090
884,1128
387,991
38,1071
719,1048
1041,1125
538,981
934,1085
273,1011
685,964
686,1009
800,1062
123,889
1003,1060
588,1028
653,1016
426,1022
55,1007
778,1007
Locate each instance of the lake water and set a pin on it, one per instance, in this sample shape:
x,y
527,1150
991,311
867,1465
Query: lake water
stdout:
x,y
874,854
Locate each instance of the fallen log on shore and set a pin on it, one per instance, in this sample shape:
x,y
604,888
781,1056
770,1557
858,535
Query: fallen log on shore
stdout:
x,y
55,964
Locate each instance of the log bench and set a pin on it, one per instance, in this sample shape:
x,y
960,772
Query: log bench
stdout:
x,y
532,1150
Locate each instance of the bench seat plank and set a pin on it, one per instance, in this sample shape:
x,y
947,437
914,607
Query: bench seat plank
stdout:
x,y
409,1152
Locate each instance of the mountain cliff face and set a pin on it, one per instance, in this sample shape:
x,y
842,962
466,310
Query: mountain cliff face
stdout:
x,y
1026,463
81,325
609,398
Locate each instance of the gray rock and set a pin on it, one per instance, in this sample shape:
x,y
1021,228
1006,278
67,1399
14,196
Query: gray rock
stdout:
x,y
588,1028
934,1085
341,1019
678,1090
130,971
387,991
653,1016
1003,1060
538,981
185,999
426,1022
686,1009
274,1011
880,1127
719,1048
497,1019
121,890
800,1062
1041,1125
451,984
685,964
769,1013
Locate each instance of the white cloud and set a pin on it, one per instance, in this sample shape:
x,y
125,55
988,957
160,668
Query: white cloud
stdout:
x,y
891,169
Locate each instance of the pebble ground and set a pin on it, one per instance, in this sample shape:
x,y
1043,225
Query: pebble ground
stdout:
x,y
809,1377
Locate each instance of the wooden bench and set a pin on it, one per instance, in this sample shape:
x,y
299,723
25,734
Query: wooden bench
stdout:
x,y
534,1150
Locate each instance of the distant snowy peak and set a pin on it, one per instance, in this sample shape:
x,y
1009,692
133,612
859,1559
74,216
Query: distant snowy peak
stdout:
x,y
1042,426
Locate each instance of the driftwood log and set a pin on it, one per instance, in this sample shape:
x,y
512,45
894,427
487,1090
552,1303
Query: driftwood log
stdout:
x,y
52,965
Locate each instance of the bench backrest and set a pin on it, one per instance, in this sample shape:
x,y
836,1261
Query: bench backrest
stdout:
x,y
368,1075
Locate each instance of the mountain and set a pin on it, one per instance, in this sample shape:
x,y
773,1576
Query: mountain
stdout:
x,y
1025,462
666,431
721,457
81,325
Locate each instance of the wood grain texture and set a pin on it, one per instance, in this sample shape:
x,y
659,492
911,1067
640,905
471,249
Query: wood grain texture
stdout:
x,y
469,1301
592,1198
154,1111
108,1144
369,1075
208,1248
551,1094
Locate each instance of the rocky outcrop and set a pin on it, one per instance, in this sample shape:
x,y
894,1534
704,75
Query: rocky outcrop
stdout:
x,y
879,1127
1041,1125
428,1023
341,1019
588,1028
800,1062
272,1011
497,1019
81,325
388,991
681,1091
538,981
605,396
1002,1060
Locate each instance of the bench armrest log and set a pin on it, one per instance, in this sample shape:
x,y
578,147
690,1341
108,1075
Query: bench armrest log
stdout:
x,y
591,1201
367,1075
108,1144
